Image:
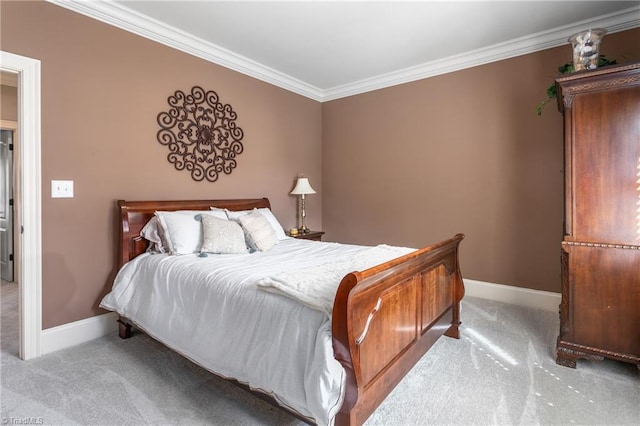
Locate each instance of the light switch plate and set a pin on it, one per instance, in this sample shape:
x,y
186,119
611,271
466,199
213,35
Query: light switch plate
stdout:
x,y
61,189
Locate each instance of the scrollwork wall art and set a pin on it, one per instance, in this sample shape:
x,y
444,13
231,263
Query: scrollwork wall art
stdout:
x,y
201,134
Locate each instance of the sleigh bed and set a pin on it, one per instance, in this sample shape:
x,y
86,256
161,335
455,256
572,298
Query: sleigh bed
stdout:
x,y
383,319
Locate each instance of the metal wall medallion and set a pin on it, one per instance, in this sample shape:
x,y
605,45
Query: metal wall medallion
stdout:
x,y
201,134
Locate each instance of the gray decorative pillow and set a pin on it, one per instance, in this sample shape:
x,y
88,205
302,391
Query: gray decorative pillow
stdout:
x,y
181,230
222,236
258,231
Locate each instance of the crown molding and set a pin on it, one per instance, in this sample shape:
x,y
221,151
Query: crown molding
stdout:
x,y
136,23
126,19
614,22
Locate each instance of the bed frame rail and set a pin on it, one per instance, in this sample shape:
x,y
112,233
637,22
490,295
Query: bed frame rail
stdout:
x,y
386,318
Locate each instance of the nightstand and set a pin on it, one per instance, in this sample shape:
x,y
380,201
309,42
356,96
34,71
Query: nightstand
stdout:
x,y
310,235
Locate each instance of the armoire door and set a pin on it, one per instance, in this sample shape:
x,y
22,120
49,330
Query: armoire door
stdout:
x,y
605,160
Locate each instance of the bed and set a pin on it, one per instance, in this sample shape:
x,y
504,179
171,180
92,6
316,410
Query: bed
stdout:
x,y
326,367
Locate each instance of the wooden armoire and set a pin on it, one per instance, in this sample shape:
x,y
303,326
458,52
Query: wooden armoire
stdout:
x,y
600,309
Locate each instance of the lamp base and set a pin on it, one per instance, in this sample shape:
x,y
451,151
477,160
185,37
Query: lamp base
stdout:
x,y
303,230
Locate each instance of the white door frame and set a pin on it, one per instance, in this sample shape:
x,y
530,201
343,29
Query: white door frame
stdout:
x,y
29,197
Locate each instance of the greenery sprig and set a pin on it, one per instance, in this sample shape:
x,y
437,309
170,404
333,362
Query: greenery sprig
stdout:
x,y
565,69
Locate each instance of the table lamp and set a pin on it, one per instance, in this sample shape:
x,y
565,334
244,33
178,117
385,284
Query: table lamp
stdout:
x,y
302,188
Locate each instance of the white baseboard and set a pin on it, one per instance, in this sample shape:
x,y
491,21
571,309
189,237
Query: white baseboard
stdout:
x,y
74,333
538,299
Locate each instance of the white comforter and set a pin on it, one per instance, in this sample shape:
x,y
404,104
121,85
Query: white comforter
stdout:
x,y
211,310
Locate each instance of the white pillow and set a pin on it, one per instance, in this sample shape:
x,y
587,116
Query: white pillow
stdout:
x,y
258,231
181,230
222,236
152,232
219,210
280,235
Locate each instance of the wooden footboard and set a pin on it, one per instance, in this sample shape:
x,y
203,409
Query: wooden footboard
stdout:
x,y
387,317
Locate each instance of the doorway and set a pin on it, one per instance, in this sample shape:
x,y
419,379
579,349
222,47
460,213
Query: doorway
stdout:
x,y
9,292
7,137
27,196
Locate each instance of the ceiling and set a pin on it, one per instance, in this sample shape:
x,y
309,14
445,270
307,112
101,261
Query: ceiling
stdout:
x,y
330,49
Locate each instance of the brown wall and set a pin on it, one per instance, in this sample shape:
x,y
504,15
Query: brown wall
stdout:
x,y
462,152
102,89
8,103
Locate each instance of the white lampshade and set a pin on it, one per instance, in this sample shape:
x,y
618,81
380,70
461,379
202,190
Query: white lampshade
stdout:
x,y
302,187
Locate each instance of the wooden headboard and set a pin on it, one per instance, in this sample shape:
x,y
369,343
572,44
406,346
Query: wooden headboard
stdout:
x,y
135,214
